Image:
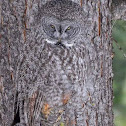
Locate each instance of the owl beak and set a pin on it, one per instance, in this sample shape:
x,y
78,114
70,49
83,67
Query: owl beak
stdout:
x,y
59,40
59,43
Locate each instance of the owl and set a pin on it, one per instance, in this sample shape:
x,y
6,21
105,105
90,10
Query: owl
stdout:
x,y
50,72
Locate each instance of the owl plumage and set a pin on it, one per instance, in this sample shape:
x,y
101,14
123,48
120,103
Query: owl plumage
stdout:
x,y
51,65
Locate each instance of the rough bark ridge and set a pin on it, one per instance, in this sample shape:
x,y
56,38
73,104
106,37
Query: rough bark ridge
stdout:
x,y
96,107
118,9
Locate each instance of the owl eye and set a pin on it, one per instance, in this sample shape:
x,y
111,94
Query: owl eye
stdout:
x,y
68,28
52,26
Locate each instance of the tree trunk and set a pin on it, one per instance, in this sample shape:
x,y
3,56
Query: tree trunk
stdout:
x,y
93,104
118,9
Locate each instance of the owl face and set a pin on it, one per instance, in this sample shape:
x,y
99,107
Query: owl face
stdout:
x,y
60,33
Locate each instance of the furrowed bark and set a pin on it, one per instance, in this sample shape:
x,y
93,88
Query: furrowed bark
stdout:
x,y
96,108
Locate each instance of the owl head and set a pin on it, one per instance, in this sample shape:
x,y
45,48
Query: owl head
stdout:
x,y
60,33
61,22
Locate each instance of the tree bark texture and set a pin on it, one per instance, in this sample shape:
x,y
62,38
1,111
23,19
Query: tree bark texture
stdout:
x,y
118,9
93,104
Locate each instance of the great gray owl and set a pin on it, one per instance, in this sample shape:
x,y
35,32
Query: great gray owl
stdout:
x,y
50,72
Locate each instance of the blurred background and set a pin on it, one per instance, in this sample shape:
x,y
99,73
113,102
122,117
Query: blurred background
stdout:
x,y
119,70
